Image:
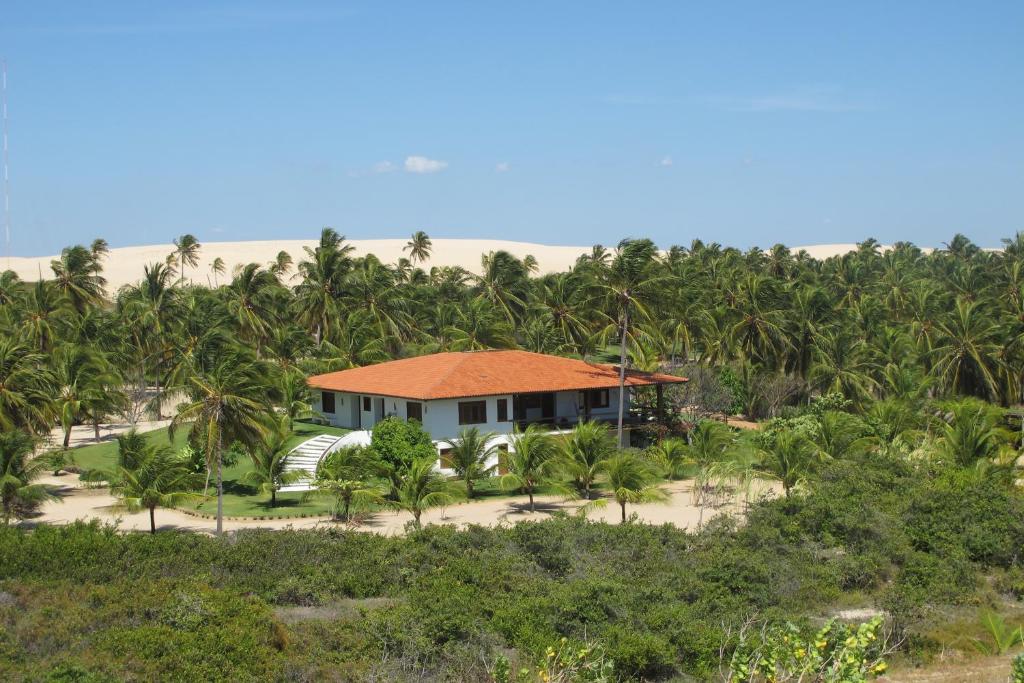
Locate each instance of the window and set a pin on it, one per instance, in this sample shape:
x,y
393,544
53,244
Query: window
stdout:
x,y
445,462
366,404
327,401
598,398
472,412
414,411
502,410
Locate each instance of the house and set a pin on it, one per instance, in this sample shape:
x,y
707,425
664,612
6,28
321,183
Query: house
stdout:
x,y
494,391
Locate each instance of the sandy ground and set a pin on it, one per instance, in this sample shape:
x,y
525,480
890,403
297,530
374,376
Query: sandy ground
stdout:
x,y
78,502
124,265
83,435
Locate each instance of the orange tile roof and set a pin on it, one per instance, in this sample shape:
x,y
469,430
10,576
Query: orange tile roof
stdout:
x,y
480,373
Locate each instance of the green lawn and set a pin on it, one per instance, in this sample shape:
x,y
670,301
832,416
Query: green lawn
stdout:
x,y
103,455
239,500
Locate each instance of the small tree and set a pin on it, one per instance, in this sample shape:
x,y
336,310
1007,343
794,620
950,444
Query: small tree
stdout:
x,y
154,477
18,469
186,253
421,487
269,459
344,474
532,461
789,460
583,452
399,443
469,455
632,479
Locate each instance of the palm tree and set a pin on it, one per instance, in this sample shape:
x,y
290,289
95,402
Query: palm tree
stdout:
x,y
269,457
965,359
296,396
321,287
584,451
841,364
469,454
344,474
281,264
419,246
217,268
18,469
632,479
186,249
227,404
99,248
155,477
152,308
839,435
630,287
477,326
973,435
26,389
420,488
532,461
88,385
503,282
250,302
45,308
789,458
674,456
77,277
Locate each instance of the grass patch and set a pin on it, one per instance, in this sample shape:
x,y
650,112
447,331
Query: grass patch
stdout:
x,y
239,500
103,456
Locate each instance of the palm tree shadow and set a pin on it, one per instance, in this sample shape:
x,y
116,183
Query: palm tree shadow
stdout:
x,y
545,507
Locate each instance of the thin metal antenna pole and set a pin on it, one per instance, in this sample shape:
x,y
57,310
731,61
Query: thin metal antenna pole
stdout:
x,y
7,175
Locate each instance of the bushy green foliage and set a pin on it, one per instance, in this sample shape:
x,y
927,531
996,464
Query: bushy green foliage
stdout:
x,y
836,653
400,443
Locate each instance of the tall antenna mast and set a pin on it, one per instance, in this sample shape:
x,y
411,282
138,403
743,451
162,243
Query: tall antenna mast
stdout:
x,y
7,175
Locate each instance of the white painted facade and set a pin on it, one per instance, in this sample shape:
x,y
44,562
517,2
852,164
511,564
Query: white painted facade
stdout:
x,y
440,417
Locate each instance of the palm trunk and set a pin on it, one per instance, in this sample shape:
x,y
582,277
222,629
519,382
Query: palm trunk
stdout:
x,y
67,437
623,505
220,489
469,488
344,514
157,397
530,492
152,519
96,428
622,373
273,497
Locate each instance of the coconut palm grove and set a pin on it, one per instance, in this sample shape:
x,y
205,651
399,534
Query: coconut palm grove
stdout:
x,y
850,432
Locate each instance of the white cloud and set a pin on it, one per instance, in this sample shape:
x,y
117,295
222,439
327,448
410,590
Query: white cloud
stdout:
x,y
383,167
417,164
502,167
817,98
666,161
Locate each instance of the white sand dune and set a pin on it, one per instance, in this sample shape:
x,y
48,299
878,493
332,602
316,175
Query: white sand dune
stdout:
x,y
124,264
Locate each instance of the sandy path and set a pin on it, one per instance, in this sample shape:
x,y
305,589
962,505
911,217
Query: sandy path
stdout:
x,y
79,503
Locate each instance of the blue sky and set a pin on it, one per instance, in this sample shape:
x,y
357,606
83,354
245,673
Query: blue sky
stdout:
x,y
745,123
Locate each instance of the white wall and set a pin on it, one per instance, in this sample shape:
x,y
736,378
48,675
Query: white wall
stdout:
x,y
441,417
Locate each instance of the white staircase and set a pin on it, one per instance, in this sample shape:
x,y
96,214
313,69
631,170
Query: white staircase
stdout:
x,y
308,454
